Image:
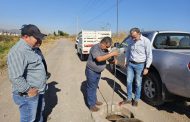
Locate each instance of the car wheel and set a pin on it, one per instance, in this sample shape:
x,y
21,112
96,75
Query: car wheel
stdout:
x,y
82,57
75,46
151,90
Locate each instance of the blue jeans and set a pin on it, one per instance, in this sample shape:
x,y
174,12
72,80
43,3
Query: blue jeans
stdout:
x,y
91,86
29,106
134,71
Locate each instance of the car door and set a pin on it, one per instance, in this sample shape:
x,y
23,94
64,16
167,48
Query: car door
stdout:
x,y
121,58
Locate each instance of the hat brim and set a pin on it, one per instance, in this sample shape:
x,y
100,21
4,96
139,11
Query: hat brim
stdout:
x,y
40,36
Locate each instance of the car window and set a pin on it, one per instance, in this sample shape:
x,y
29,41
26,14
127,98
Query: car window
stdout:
x,y
172,41
148,35
124,43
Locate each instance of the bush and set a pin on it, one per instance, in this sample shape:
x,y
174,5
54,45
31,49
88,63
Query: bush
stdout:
x,y
6,42
121,36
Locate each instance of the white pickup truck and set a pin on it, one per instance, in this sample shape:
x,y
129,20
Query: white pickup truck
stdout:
x,y
86,39
169,74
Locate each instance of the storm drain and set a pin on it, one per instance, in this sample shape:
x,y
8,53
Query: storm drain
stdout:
x,y
114,117
115,114
129,120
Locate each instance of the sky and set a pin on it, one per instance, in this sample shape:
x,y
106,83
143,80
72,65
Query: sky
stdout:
x,y
72,16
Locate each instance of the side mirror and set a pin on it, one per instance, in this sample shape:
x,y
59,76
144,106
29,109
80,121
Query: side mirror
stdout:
x,y
116,44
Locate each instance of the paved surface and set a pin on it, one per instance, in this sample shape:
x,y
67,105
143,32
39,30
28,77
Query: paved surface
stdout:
x,y
65,100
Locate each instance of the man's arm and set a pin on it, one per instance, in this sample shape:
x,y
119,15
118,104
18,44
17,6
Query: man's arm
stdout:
x,y
148,57
16,67
148,54
107,56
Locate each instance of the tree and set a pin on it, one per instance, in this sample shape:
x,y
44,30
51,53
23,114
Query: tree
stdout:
x,y
54,33
61,33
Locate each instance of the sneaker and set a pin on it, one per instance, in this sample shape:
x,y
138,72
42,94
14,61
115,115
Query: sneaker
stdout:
x,y
135,103
98,103
125,102
94,109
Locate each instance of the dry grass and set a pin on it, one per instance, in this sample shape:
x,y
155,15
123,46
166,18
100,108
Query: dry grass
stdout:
x,y
121,36
72,38
48,43
6,42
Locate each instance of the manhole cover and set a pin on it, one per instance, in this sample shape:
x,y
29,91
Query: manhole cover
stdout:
x,y
129,120
114,117
114,113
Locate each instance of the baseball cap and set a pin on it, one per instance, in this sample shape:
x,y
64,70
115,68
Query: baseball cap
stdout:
x,y
32,30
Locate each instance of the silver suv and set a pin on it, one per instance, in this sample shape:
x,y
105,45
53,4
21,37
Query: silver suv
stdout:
x,y
169,73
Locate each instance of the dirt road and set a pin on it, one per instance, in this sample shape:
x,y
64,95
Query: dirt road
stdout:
x,y
65,100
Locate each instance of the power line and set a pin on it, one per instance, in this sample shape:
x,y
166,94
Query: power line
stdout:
x,y
117,19
102,13
87,6
98,4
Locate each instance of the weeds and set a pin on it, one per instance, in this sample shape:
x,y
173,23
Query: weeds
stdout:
x,y
6,42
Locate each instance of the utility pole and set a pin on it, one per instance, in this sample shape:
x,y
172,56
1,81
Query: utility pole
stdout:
x,y
117,19
77,27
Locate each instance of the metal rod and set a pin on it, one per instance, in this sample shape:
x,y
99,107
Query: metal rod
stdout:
x,y
104,100
115,65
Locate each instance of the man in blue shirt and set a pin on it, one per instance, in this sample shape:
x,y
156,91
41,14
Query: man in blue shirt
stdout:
x,y
27,74
138,59
96,63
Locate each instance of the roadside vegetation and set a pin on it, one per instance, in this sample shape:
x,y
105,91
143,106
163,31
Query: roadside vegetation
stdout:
x,y
121,36
6,42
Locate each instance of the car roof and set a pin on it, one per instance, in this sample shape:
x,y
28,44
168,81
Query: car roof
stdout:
x,y
164,31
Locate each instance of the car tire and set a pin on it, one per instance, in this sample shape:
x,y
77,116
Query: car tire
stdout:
x,y
82,57
75,46
151,89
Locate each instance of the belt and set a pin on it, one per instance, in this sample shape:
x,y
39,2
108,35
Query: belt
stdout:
x,y
133,62
22,94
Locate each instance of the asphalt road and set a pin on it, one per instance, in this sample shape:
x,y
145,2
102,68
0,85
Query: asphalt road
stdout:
x,y
65,100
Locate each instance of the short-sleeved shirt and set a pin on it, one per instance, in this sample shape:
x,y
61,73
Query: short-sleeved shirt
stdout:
x,y
92,63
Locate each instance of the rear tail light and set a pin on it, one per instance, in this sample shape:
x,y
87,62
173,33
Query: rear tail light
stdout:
x,y
188,65
88,45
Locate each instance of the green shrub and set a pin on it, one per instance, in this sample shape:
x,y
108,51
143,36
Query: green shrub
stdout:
x,y
6,42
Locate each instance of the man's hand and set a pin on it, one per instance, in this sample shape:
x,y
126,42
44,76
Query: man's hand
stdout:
x,y
48,75
32,92
145,71
115,61
125,64
115,53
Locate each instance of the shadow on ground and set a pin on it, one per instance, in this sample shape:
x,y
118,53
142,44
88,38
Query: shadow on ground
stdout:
x,y
50,99
121,77
182,108
116,87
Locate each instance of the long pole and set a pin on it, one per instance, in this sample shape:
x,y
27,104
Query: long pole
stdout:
x,y
77,27
117,18
115,65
